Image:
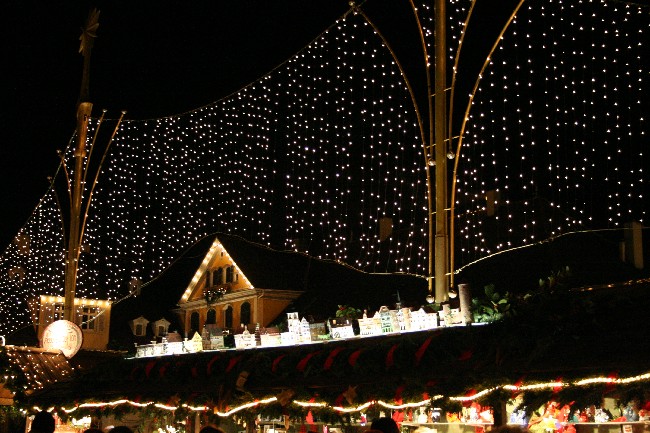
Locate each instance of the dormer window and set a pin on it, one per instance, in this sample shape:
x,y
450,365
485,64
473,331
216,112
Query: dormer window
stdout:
x,y
139,326
160,327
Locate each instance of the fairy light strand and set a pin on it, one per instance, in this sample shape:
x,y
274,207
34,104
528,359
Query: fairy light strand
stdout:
x,y
523,387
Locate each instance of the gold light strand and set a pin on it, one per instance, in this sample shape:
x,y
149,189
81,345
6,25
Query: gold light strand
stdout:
x,y
364,406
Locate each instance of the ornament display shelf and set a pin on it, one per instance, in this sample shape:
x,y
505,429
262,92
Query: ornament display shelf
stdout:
x,y
612,426
447,427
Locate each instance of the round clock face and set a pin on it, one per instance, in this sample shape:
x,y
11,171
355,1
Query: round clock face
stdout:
x,y
64,336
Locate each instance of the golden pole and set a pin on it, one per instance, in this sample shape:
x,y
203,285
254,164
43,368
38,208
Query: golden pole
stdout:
x,y
440,127
72,260
84,110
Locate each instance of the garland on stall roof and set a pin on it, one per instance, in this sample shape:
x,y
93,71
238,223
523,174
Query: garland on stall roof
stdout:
x,y
579,392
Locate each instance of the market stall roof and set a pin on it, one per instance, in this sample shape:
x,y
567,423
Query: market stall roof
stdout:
x,y
32,369
571,336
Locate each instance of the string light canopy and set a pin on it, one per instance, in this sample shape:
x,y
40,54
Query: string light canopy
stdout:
x,y
323,155
554,141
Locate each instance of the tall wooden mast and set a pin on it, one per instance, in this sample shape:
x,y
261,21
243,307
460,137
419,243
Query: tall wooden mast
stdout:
x,y
84,109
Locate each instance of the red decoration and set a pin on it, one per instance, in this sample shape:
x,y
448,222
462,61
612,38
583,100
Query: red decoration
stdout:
x,y
276,361
134,371
303,362
149,367
398,416
420,353
465,355
557,388
209,366
518,384
611,385
468,403
330,358
352,360
162,370
233,362
398,394
390,361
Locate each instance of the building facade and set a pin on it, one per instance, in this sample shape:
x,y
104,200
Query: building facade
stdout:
x,y
221,298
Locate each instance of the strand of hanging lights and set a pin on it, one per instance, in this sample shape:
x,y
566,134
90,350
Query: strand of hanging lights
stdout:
x,y
520,387
557,129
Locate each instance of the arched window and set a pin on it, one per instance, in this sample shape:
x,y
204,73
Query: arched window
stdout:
x,y
245,313
230,273
208,280
217,276
227,318
211,318
194,324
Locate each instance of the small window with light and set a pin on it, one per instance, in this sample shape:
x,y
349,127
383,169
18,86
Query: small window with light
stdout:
x,y
88,316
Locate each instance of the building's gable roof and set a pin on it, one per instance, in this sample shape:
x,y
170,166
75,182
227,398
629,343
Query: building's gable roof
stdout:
x,y
216,248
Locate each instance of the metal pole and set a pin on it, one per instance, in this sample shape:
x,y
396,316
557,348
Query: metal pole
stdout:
x,y
72,258
440,102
